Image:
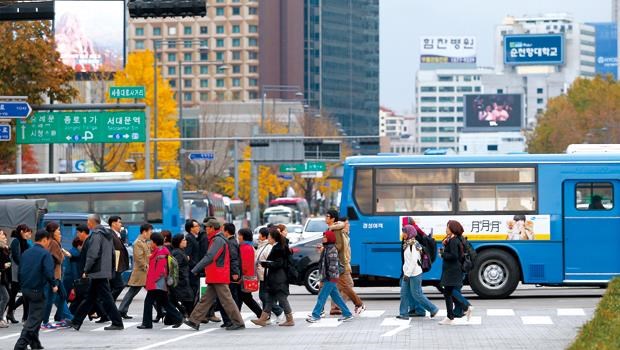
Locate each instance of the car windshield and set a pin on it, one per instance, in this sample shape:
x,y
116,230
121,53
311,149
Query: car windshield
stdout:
x,y
316,226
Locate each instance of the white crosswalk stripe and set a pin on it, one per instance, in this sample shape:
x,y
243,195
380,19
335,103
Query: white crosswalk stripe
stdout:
x,y
326,323
125,324
571,312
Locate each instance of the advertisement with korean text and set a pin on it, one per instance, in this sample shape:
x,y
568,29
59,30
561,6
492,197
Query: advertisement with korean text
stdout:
x,y
448,49
534,49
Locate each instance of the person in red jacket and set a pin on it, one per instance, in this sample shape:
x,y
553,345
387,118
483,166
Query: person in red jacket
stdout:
x,y
246,251
156,286
216,264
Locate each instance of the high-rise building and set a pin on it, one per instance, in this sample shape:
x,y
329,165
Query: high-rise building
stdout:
x,y
606,48
209,58
341,63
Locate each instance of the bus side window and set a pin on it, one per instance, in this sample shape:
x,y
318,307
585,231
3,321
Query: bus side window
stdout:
x,y
594,196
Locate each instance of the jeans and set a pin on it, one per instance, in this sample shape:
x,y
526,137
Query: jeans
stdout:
x,y
451,301
99,287
128,298
59,300
461,305
330,289
345,287
161,297
262,295
411,289
30,332
4,300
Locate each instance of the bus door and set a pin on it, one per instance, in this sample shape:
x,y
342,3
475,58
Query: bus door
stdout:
x,y
591,222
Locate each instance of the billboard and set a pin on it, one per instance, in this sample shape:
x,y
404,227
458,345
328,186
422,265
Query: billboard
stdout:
x,y
447,49
90,35
541,49
493,111
606,50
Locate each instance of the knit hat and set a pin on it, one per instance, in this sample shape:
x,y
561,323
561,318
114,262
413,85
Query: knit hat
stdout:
x,y
330,235
409,231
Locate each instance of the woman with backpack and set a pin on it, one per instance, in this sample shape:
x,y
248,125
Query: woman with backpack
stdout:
x,y
276,279
411,286
157,284
451,273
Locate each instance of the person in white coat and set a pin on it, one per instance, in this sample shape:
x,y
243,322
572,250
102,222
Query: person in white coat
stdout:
x,y
262,252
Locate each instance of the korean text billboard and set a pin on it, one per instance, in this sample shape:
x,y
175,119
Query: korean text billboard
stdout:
x,y
606,49
541,49
491,111
90,34
447,49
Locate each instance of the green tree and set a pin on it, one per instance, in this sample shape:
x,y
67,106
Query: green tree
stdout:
x,y
589,112
30,66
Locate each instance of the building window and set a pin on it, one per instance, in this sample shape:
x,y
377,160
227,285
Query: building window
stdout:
x,y
446,109
253,69
219,83
187,57
446,119
540,101
156,31
139,44
428,89
187,30
539,90
187,96
236,11
446,99
464,89
219,11
252,28
428,120
219,29
459,109
236,82
188,70
428,129
172,57
173,83
428,109
172,70
139,31
236,68
446,78
252,55
236,42
252,11
467,78
500,91
447,139
428,139
253,95
236,28
252,42
428,99
253,82
187,44
172,45
236,55
172,30
204,96
446,89
491,147
204,30
477,89
187,83
204,69
219,43
459,119
219,56
204,56
204,83
446,129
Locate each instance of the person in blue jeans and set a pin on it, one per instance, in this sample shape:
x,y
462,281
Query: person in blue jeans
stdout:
x,y
330,273
411,283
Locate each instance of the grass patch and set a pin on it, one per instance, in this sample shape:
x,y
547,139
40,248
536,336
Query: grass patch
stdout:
x,y
603,331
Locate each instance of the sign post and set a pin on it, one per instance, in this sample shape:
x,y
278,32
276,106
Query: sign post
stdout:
x,y
126,92
303,167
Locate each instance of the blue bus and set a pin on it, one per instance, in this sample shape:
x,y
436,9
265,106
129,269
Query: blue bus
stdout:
x,y
158,202
538,219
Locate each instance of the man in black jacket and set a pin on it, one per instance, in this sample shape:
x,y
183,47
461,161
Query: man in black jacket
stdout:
x,y
99,268
192,229
35,272
116,283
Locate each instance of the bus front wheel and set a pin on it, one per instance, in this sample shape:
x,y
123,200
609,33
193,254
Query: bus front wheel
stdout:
x,y
495,274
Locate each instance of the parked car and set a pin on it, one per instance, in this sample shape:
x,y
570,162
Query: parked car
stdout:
x,y
306,256
314,227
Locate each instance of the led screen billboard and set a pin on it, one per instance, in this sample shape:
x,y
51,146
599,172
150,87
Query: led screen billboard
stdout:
x,y
90,34
493,111
541,49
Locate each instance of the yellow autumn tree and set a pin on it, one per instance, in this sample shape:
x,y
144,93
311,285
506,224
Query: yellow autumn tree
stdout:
x,y
268,181
139,72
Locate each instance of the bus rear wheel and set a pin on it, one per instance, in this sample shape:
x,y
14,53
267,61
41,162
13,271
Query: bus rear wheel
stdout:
x,y
495,274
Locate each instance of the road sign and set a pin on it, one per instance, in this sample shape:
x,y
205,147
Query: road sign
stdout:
x,y
311,174
82,127
126,92
5,132
14,109
202,156
302,167
287,177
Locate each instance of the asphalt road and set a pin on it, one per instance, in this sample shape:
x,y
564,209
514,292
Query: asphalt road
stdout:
x,y
533,318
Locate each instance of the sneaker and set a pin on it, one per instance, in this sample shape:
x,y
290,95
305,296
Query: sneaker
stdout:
x,y
48,326
446,322
63,324
401,317
468,313
312,319
433,314
360,309
3,324
345,318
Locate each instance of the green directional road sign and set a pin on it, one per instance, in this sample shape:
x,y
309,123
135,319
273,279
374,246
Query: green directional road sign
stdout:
x,y
126,91
82,127
302,167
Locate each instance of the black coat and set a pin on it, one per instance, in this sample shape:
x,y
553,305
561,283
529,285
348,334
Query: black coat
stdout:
x,y
451,274
5,273
192,250
275,272
182,291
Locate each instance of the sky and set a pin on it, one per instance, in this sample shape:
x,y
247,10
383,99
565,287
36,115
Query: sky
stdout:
x,y
403,22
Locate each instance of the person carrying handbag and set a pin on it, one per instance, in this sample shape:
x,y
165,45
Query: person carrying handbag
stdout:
x,y
249,279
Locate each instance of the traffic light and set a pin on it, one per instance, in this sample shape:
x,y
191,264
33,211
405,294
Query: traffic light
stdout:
x,y
166,8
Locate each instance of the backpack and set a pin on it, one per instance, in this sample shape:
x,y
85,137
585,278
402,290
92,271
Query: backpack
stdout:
x,y
425,261
468,255
429,245
173,272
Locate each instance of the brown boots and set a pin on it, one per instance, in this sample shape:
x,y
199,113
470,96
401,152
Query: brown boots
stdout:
x,y
263,320
289,321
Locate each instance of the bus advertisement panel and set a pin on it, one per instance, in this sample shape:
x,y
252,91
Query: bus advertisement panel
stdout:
x,y
487,227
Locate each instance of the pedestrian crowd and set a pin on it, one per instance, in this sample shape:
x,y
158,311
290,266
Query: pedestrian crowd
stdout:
x,y
86,280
